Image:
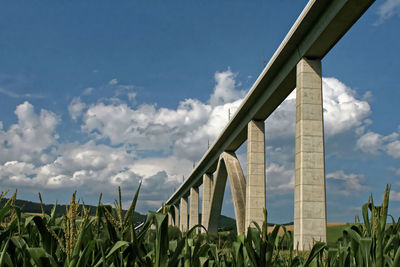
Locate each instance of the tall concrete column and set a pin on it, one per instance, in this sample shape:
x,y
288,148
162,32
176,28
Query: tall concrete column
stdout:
x,y
176,218
170,219
309,194
255,183
194,207
183,216
205,202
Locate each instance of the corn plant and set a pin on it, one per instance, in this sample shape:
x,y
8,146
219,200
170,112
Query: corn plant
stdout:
x,y
110,239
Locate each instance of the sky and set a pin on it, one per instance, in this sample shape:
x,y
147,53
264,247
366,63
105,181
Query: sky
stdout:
x,y
100,94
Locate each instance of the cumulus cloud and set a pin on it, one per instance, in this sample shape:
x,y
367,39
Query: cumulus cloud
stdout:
x,y
184,131
393,149
30,138
280,178
394,195
32,158
87,91
345,183
76,108
374,143
225,90
388,9
370,143
120,131
342,111
113,81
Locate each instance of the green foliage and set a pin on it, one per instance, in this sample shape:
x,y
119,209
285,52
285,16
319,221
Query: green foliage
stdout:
x,y
109,238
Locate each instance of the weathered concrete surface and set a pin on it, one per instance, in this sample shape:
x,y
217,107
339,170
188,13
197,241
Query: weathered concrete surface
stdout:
x,y
183,223
176,215
228,165
194,207
255,183
205,202
309,194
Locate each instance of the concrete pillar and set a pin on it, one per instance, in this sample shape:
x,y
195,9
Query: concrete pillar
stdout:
x,y
309,194
183,223
194,207
205,202
176,217
170,219
255,183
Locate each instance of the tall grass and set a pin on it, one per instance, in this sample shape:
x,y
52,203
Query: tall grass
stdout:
x,y
110,239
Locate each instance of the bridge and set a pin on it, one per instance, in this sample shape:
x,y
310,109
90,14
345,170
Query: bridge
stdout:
x,y
295,64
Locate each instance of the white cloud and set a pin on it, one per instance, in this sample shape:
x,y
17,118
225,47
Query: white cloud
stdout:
x,y
76,108
113,81
393,149
28,140
373,143
12,94
225,89
394,196
88,91
342,111
184,131
280,178
347,183
370,143
120,132
388,9
173,166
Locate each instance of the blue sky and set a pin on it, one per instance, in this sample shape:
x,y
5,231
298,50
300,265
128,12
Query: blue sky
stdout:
x,y
94,95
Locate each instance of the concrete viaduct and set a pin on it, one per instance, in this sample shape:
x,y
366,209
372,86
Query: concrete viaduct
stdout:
x,y
295,64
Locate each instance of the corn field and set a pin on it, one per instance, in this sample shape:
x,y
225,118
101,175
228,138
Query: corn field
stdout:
x,y
110,239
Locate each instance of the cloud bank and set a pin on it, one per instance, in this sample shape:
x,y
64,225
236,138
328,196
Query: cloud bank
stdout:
x,y
119,132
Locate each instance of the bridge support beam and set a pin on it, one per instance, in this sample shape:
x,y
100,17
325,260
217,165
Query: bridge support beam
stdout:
x,y
176,215
194,207
255,184
183,223
205,202
309,194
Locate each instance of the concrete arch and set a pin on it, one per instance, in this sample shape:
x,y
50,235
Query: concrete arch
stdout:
x,y
228,166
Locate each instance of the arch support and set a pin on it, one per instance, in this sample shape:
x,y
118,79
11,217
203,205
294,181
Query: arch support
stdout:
x,y
228,166
309,193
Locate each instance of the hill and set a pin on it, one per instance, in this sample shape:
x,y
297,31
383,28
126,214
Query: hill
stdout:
x,y
34,207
